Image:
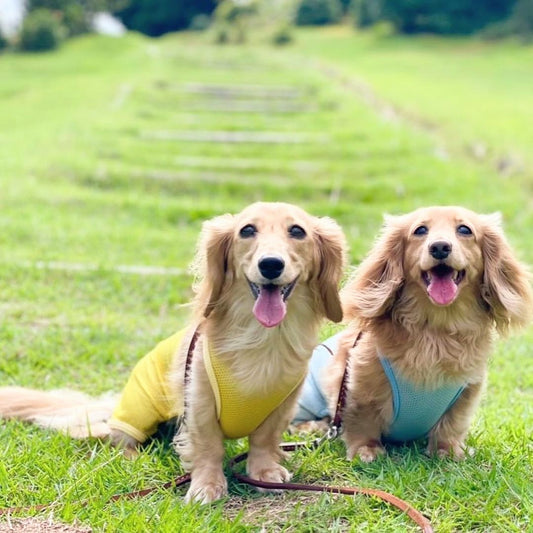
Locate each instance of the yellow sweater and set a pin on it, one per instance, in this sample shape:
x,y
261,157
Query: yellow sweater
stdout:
x,y
147,399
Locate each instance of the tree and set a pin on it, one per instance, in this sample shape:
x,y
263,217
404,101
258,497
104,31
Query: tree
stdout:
x,y
434,16
41,31
233,20
88,6
366,12
521,20
318,12
156,17
75,15
3,41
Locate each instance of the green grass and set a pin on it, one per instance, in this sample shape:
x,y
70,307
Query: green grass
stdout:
x,y
87,189
470,93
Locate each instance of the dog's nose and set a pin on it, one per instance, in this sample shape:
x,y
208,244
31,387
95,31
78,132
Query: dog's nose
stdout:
x,y
271,266
440,249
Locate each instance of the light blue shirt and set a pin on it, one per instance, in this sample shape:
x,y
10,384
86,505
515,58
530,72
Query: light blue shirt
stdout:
x,y
312,404
416,410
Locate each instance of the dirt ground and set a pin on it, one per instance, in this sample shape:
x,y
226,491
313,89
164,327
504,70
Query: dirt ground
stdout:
x,y
39,525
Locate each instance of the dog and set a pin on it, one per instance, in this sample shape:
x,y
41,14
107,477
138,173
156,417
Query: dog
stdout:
x,y
422,309
266,279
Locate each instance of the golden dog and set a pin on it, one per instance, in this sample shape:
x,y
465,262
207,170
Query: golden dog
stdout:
x,y
426,301
266,279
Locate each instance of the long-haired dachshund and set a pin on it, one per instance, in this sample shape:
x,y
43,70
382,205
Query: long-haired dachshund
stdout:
x,y
267,277
425,304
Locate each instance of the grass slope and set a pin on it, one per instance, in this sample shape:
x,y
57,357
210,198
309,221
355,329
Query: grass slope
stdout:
x,y
94,179
474,94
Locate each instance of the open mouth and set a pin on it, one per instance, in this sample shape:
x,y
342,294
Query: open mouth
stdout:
x,y
285,290
270,305
442,282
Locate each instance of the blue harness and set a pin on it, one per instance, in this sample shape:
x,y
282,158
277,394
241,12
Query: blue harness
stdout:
x,y
415,410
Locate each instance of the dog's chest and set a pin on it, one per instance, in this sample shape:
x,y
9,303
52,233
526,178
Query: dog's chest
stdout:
x,y
416,409
245,399
435,360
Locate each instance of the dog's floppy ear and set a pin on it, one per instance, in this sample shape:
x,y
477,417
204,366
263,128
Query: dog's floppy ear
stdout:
x,y
211,264
331,251
373,288
506,282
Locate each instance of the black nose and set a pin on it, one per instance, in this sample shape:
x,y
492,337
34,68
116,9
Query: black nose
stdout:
x,y
440,249
271,266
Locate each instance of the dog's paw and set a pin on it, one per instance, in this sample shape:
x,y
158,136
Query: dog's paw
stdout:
x,y
367,452
452,450
208,484
131,453
209,492
124,442
273,473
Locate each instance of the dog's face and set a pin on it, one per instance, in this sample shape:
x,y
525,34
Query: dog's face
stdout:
x,y
442,257
443,252
272,249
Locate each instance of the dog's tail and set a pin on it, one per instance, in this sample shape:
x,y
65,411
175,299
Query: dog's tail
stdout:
x,y
71,412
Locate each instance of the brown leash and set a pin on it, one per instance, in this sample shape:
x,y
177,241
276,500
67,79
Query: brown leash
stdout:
x,y
412,513
334,430
335,427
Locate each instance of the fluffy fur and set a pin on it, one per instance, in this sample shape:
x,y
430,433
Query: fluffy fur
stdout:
x,y
431,339
229,258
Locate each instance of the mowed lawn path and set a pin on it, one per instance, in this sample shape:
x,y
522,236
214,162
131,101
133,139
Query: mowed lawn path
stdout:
x,y
112,153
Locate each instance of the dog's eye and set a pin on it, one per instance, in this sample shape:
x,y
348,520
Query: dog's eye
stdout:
x,y
421,230
464,230
248,231
297,232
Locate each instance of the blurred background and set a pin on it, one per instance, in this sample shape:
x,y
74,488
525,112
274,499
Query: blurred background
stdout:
x,y
68,18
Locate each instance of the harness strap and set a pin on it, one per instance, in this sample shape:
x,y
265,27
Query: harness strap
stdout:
x,y
335,428
187,370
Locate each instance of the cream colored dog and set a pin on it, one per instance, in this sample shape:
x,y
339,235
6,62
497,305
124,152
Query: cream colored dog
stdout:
x,y
267,277
427,300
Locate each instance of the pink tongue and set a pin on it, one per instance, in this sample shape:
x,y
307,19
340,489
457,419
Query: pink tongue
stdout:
x,y
442,290
269,307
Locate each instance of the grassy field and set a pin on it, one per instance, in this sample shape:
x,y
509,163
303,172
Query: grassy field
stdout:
x,y
108,167
473,96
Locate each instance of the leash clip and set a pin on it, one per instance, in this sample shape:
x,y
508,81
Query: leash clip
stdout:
x,y
333,432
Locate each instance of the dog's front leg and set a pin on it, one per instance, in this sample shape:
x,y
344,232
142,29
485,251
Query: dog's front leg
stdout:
x,y
208,482
200,443
265,454
362,432
448,436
